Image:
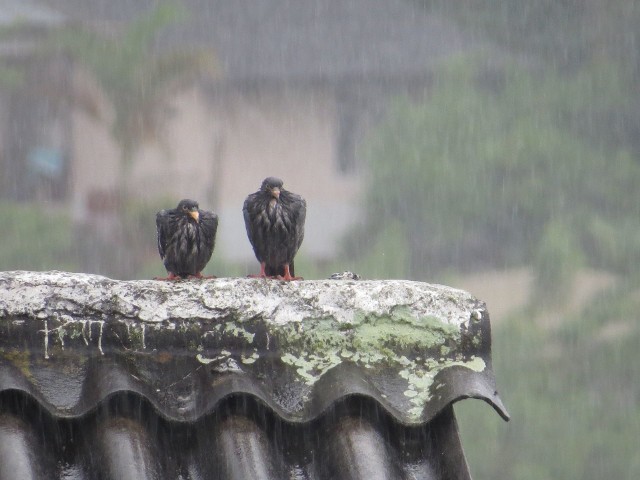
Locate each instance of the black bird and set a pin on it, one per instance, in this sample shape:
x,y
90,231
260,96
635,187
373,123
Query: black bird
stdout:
x,y
186,237
274,218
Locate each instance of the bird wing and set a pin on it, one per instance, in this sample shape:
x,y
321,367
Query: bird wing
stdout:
x,y
163,224
300,217
209,225
247,211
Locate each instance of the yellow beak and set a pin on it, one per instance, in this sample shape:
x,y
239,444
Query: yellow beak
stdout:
x,y
195,215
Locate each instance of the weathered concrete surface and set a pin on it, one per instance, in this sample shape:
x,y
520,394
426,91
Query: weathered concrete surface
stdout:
x,y
298,346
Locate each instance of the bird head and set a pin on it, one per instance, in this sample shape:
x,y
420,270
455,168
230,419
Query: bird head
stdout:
x,y
272,186
189,207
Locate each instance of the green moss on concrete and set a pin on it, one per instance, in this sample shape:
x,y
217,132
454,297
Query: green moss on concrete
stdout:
x,y
400,340
421,375
20,359
137,335
402,329
238,331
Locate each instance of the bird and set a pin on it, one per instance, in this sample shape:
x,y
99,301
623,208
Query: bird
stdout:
x,y
186,238
274,218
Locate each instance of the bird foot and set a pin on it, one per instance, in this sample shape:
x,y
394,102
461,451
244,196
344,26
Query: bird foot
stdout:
x,y
288,278
263,272
259,275
199,276
171,277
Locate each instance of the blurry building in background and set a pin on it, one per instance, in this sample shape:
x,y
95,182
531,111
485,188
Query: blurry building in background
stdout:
x,y
300,84
34,133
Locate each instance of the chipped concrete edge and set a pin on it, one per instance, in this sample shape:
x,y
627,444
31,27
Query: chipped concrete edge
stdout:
x,y
412,328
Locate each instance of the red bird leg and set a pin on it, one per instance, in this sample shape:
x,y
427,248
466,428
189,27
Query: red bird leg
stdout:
x,y
262,273
287,274
202,277
172,276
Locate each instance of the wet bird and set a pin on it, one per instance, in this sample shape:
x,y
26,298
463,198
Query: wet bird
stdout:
x,y
186,237
274,218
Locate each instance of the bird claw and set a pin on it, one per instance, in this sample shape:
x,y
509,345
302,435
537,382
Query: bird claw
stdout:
x,y
170,278
289,278
262,273
199,276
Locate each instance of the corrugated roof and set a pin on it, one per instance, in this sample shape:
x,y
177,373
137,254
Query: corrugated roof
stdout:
x,y
125,439
236,378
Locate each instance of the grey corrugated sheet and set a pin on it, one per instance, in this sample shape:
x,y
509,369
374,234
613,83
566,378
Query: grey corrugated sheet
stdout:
x,y
126,439
101,402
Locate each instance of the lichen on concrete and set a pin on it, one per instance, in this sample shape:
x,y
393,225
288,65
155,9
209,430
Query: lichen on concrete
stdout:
x,y
417,347
421,375
395,328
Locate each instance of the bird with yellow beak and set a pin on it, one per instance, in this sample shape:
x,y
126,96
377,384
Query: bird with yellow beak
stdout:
x,y
186,238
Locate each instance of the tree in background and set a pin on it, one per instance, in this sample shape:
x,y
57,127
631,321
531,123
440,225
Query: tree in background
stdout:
x,y
137,78
501,166
487,171
569,380
590,40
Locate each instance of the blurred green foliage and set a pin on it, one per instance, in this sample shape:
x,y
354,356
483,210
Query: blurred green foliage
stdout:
x,y
557,259
572,392
488,168
36,238
137,80
536,165
135,76
567,33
